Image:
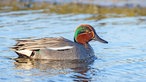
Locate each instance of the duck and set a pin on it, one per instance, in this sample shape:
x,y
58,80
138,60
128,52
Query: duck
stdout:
x,y
60,48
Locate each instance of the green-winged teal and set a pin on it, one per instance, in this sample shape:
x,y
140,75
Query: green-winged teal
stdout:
x,y
60,48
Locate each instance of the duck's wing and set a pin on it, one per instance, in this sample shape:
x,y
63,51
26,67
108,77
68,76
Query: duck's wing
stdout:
x,y
41,43
26,47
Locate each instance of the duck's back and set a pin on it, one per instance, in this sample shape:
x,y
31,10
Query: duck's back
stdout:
x,y
52,48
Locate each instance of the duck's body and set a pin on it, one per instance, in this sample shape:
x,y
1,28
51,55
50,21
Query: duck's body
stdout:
x,y
60,48
52,48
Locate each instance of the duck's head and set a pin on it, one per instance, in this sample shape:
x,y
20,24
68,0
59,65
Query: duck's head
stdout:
x,y
85,33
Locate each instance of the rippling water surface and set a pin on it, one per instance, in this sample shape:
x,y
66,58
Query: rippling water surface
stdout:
x,y
122,60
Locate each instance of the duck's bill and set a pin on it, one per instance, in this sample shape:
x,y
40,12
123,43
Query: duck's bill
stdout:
x,y
97,38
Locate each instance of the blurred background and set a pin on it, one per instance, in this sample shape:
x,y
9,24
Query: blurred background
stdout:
x,y
114,8
121,22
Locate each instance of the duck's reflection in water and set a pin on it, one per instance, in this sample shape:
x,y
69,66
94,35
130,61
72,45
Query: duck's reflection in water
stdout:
x,y
79,68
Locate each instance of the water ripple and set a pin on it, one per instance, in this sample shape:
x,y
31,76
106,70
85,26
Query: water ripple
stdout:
x,y
122,60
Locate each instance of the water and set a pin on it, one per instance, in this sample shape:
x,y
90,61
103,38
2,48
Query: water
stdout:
x,y
122,60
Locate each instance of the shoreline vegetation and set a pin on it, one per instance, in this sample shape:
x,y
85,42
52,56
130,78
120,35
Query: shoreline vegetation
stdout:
x,y
73,8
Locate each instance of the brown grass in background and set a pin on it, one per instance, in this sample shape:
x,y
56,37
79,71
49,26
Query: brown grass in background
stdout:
x,y
75,8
